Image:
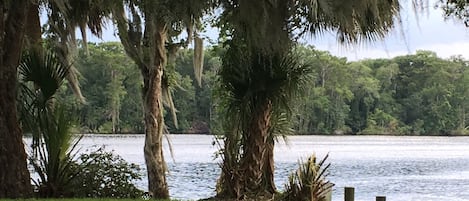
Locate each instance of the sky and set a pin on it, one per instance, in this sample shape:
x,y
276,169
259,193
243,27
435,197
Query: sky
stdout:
x,y
428,31
425,31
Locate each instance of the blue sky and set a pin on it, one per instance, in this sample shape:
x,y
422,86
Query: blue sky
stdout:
x,y
428,31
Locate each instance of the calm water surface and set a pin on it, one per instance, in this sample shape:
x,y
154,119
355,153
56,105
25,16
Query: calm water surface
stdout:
x,y
401,168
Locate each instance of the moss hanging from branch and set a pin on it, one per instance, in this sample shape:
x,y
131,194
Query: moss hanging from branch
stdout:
x,y
198,59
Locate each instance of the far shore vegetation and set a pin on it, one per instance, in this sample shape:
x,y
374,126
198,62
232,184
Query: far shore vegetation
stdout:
x,y
419,94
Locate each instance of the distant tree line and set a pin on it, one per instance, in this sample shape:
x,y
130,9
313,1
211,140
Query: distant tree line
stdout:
x,y
419,94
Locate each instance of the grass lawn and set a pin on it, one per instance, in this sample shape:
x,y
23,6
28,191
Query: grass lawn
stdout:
x,y
79,199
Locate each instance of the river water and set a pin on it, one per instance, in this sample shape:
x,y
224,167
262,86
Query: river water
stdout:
x,y
400,168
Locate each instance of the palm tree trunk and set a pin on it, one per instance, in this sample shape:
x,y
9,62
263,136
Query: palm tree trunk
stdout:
x,y
257,161
269,166
14,175
154,121
229,183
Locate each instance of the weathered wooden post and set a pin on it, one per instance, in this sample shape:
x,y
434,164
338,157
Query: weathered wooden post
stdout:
x,y
380,198
349,194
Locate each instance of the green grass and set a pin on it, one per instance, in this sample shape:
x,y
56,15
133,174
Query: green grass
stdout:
x,y
79,199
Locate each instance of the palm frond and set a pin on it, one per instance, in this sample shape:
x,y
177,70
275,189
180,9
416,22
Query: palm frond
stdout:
x,y
54,156
253,79
46,73
263,22
309,182
63,19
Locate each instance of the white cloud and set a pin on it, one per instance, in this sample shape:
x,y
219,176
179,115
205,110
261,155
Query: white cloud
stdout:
x,y
447,50
444,50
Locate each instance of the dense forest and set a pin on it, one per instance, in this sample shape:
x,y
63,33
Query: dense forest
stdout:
x,y
419,94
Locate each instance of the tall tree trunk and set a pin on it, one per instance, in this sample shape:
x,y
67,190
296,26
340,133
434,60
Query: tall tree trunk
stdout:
x,y
256,164
115,101
150,55
153,108
33,32
14,175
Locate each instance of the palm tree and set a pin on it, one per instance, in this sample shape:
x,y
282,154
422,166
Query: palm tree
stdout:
x,y
260,37
49,121
148,36
259,88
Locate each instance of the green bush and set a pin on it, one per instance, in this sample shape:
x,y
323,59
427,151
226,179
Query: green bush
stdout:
x,y
309,182
105,174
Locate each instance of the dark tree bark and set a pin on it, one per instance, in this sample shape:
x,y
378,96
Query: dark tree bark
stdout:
x,y
257,162
33,32
14,175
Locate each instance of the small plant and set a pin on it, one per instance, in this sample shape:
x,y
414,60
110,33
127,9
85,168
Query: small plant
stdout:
x,y
309,182
53,157
49,121
105,174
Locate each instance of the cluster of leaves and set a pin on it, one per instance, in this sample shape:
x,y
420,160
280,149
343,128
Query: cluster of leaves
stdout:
x,y
112,87
53,157
418,94
457,9
105,174
309,182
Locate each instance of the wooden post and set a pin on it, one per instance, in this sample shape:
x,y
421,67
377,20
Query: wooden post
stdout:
x,y
349,194
380,198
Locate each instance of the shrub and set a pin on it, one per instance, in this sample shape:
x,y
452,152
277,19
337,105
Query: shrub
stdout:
x,y
309,182
104,174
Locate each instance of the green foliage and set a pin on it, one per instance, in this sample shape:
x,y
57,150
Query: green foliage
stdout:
x,y
415,94
380,122
102,174
273,26
50,123
61,174
112,87
252,79
457,9
309,182
325,106
193,102
53,157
